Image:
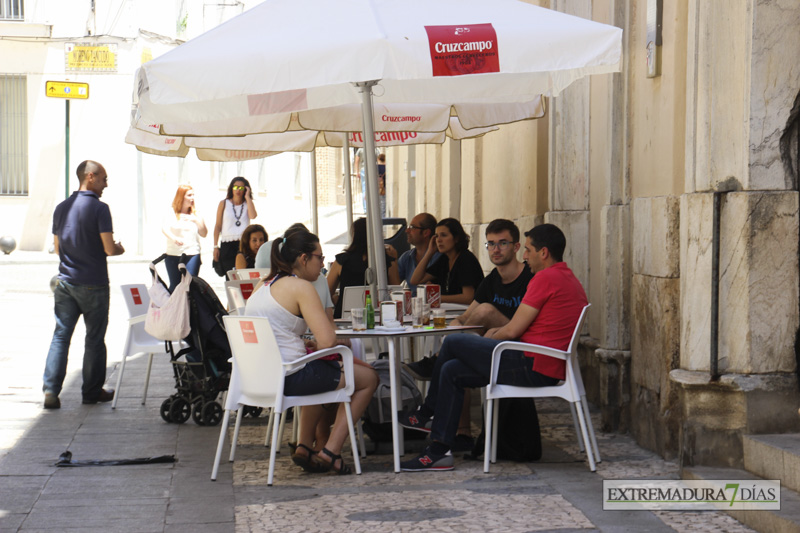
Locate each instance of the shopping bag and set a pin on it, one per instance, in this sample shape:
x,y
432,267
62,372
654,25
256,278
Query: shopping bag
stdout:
x,y
168,315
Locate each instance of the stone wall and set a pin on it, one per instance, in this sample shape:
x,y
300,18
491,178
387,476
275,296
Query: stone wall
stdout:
x,y
655,323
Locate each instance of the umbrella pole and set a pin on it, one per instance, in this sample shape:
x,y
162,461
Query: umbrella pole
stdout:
x,y
348,181
374,221
314,204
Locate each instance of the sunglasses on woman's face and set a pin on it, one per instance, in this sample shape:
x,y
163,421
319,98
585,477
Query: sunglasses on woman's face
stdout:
x,y
238,187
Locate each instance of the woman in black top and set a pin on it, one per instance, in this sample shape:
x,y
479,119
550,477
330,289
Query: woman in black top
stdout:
x,y
252,238
350,265
457,270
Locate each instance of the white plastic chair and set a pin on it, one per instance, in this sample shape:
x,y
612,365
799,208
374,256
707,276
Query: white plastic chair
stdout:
x,y
137,299
258,377
238,291
571,389
352,296
249,273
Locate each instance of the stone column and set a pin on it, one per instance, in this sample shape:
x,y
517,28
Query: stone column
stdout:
x,y
569,162
655,322
605,354
733,145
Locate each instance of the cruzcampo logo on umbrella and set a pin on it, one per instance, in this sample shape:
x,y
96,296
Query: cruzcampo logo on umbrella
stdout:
x,y
459,50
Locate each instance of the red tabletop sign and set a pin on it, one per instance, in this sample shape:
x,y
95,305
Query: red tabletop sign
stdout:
x,y
459,50
247,290
137,299
248,332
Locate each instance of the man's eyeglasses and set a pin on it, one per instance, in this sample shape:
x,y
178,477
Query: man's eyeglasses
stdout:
x,y
239,187
412,226
499,244
321,257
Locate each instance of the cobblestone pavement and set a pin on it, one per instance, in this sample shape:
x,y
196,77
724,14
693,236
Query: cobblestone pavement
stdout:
x,y
558,493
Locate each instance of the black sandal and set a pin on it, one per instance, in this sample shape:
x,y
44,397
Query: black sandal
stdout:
x,y
307,462
343,469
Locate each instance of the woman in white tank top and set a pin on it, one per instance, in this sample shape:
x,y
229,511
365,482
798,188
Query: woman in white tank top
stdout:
x,y
291,303
233,215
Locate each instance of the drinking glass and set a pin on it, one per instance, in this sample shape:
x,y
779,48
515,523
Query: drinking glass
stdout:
x,y
439,319
417,311
357,316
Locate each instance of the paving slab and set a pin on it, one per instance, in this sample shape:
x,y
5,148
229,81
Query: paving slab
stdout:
x,y
201,510
118,515
227,527
11,521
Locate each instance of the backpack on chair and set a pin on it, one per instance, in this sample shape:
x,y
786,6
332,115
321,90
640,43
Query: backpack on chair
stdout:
x,y
519,437
377,421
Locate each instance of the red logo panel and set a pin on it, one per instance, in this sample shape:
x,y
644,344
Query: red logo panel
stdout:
x,y
247,290
137,299
459,50
254,275
248,332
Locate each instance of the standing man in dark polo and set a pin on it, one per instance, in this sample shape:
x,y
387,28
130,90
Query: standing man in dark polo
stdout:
x,y
83,238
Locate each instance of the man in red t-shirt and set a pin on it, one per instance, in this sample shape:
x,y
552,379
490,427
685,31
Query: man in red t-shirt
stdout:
x,y
547,316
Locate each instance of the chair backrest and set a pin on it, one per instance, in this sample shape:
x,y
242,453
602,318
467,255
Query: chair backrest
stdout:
x,y
353,297
137,299
236,301
573,343
239,291
250,273
244,286
256,355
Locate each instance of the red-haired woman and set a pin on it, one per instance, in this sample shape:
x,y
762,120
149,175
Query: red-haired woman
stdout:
x,y
183,228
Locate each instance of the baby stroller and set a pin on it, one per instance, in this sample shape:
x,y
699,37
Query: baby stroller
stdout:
x,y
201,369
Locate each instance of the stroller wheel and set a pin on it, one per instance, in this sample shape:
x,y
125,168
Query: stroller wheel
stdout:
x,y
197,413
180,411
165,406
212,413
252,411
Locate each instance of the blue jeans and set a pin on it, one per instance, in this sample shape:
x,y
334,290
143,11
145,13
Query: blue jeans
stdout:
x,y
72,301
465,361
171,263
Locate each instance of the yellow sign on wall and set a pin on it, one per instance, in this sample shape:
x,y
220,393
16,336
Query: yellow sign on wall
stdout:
x,y
66,89
90,57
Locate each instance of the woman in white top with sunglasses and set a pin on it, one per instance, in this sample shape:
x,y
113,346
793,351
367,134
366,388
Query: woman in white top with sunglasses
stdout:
x,y
233,215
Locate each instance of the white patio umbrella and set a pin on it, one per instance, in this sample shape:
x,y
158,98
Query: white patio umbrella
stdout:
x,y
303,58
152,139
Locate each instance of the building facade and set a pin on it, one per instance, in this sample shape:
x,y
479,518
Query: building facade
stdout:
x,y
692,336
102,44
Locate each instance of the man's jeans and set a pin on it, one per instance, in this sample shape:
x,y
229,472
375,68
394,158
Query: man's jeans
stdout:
x,y
465,362
71,301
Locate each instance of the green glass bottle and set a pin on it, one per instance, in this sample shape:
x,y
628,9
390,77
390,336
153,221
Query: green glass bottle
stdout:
x,y
369,311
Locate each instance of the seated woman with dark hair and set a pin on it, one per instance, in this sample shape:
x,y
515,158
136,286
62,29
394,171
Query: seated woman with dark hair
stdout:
x,y
350,265
292,305
457,270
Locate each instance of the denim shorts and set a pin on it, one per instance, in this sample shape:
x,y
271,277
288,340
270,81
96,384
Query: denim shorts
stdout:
x,y
316,377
